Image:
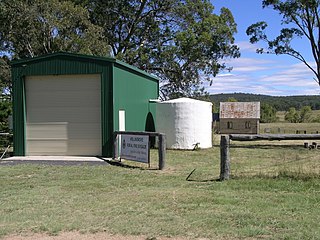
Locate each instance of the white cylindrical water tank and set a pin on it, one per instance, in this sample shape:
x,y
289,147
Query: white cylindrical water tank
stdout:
x,y
186,122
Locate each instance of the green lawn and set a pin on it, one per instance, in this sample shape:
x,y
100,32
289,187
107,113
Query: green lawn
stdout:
x,y
274,193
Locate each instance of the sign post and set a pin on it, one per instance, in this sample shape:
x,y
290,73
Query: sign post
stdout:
x,y
135,146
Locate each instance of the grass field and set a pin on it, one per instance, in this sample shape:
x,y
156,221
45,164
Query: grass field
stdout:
x,y
274,193
289,128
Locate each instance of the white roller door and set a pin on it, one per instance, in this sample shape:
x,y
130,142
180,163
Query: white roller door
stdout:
x,y
63,115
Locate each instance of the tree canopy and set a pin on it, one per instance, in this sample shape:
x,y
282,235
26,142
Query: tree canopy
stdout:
x,y
35,27
294,116
181,41
268,113
302,19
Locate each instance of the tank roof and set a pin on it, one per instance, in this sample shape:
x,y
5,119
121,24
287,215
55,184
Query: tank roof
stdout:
x,y
185,100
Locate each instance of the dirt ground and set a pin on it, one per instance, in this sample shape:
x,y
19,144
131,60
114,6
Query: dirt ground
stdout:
x,y
79,236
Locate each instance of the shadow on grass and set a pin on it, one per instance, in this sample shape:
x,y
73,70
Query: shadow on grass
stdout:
x,y
117,163
204,181
189,179
121,164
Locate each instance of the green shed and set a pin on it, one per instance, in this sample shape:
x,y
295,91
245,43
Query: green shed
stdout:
x,y
70,104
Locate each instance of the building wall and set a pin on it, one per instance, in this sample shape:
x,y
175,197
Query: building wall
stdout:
x,y
243,110
239,126
131,93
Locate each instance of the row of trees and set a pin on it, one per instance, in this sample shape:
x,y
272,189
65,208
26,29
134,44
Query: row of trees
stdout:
x,y
294,116
281,103
304,115
182,42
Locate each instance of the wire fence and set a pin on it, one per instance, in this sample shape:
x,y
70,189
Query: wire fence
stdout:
x,y
289,128
274,160
5,145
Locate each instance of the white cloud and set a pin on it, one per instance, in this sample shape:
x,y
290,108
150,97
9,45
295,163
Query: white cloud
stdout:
x,y
265,76
225,75
247,46
248,65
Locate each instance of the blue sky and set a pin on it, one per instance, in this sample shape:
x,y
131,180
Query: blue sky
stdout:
x,y
262,73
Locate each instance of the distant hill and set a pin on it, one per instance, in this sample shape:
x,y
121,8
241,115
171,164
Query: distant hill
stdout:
x,y
280,103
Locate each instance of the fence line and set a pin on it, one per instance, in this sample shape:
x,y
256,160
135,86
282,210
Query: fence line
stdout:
x,y
226,140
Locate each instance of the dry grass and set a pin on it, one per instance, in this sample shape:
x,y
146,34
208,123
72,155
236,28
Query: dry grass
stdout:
x,y
289,128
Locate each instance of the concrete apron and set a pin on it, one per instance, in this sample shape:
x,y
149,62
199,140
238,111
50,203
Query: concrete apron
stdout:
x,y
57,158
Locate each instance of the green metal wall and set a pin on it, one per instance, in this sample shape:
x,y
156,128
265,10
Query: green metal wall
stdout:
x,y
61,64
132,92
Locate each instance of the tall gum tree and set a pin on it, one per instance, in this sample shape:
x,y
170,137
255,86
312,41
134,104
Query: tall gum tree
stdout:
x,y
304,16
181,41
35,27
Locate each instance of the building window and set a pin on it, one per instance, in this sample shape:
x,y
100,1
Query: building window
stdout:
x,y
229,125
248,125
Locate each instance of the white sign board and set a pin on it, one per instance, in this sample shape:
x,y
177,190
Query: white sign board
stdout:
x,y
135,147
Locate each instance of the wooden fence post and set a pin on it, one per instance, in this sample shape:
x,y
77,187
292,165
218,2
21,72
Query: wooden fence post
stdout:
x,y
224,158
162,151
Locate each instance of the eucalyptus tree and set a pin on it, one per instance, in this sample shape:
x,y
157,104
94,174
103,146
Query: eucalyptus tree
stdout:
x,y
5,97
183,42
268,113
29,28
302,19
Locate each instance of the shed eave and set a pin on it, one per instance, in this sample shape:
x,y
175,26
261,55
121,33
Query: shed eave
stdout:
x,y
72,56
81,57
135,69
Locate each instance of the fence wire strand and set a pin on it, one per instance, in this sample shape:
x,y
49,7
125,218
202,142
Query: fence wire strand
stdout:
x,y
293,159
5,145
